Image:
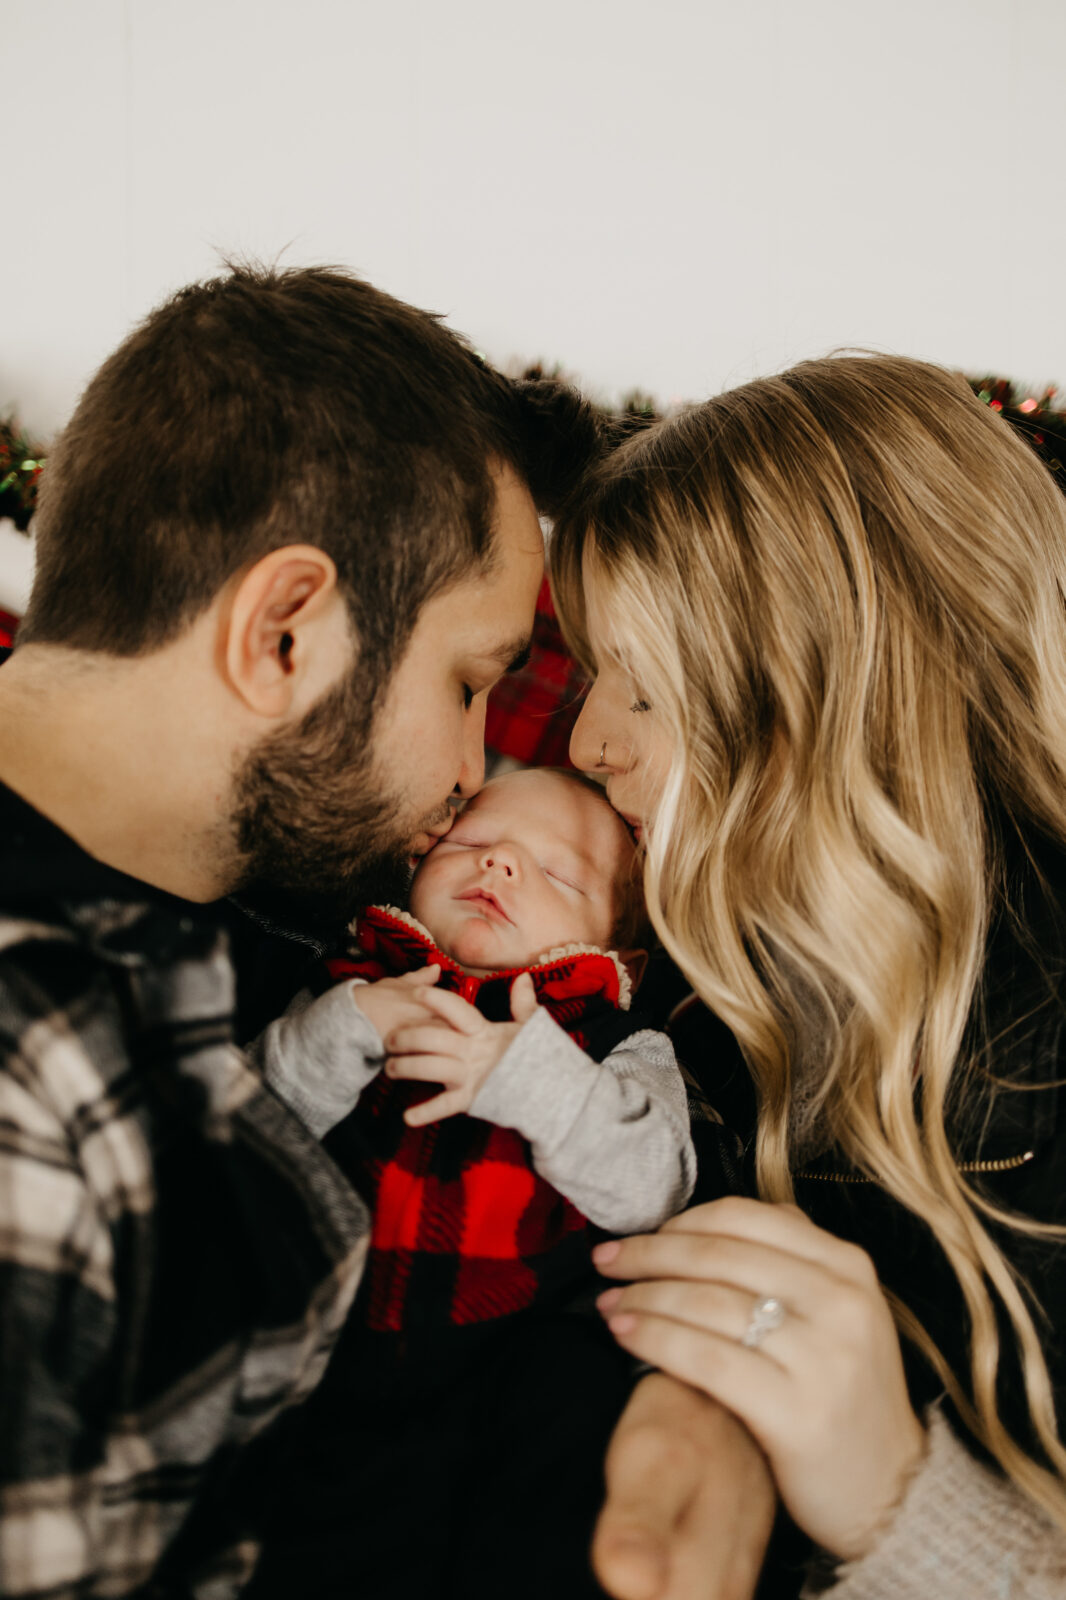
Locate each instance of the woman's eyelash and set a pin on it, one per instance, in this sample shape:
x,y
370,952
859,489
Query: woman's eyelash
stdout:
x,y
640,705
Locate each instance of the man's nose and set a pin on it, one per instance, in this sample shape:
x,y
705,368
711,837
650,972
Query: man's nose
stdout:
x,y
472,770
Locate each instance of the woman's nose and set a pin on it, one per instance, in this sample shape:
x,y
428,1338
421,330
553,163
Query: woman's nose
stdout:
x,y
594,744
584,746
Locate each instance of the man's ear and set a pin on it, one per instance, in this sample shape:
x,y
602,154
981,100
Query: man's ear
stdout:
x,y
281,611
636,964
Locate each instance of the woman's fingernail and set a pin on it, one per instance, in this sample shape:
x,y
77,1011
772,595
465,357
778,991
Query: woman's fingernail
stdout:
x,y
623,1323
605,1253
609,1298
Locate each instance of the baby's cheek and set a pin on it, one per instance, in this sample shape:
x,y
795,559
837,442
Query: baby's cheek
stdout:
x,y
423,896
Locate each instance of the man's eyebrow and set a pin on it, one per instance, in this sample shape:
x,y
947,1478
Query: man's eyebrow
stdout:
x,y
511,656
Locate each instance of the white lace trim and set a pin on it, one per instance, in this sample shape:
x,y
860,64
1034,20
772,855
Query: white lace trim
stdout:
x,y
401,916
550,958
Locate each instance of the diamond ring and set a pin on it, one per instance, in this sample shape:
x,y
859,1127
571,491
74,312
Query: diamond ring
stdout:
x,y
766,1315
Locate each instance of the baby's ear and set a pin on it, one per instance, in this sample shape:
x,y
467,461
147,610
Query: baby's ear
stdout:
x,y
636,964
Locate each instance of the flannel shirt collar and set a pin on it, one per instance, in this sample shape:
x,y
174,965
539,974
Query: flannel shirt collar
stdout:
x,y
47,873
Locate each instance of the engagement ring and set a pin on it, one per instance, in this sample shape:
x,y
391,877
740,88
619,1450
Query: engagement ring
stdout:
x,y
766,1315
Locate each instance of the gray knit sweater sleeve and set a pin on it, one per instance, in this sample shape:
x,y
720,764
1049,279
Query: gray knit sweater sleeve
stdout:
x,y
612,1136
319,1057
961,1533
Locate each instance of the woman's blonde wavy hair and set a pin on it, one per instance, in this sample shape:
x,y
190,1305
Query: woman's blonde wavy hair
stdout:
x,y
842,590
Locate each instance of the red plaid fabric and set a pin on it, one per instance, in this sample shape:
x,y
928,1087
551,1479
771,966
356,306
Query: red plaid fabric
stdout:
x,y
465,1230
531,713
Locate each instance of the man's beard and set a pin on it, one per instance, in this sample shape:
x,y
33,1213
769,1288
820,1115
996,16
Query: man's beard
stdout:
x,y
316,833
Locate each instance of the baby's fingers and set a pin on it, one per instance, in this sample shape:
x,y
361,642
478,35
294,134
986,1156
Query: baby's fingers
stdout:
x,y
421,976
444,1105
425,1037
523,998
424,1067
456,1011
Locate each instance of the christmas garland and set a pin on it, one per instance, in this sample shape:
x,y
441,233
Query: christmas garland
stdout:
x,y
1035,417
20,471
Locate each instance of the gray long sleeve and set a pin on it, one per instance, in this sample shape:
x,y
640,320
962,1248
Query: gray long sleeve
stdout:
x,y
612,1136
320,1056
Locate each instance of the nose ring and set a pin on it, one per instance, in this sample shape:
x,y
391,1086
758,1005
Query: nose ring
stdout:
x,y
602,762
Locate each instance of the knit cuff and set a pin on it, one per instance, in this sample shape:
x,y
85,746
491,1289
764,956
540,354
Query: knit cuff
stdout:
x,y
539,1085
961,1533
320,1057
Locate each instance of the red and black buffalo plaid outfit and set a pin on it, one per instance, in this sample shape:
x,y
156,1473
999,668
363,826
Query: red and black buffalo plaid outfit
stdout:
x,y
454,1449
465,1230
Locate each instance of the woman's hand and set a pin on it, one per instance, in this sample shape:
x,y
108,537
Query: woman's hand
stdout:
x,y
823,1392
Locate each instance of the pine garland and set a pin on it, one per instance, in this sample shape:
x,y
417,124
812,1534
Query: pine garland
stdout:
x,y
1035,417
20,471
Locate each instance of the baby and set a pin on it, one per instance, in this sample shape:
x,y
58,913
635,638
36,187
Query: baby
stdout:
x,y
484,1084
500,987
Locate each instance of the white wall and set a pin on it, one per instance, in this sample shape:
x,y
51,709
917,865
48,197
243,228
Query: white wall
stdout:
x,y
674,193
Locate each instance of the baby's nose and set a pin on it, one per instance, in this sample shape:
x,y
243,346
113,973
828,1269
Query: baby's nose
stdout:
x,y
498,862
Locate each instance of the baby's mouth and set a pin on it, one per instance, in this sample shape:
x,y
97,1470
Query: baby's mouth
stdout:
x,y
486,901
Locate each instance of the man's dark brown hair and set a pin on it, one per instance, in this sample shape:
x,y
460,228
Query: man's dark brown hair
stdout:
x,y
264,408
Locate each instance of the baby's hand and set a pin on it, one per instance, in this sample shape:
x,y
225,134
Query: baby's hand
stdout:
x,y
458,1049
391,1002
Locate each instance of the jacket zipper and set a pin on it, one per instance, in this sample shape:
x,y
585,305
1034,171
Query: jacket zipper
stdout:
x,y
1003,1164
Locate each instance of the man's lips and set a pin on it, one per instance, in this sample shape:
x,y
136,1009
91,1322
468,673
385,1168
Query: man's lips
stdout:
x,y
423,842
485,898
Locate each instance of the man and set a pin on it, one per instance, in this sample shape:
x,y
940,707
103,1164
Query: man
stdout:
x,y
285,547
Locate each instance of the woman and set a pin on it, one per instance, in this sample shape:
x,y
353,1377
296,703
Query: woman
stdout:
x,y
826,614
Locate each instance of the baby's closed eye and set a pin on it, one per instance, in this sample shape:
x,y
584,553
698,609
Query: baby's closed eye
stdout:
x,y
560,877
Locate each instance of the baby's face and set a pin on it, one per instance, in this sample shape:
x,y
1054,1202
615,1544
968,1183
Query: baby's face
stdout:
x,y
531,863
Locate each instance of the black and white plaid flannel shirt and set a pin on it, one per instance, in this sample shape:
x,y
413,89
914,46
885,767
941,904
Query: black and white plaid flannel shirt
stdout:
x,y
177,1254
